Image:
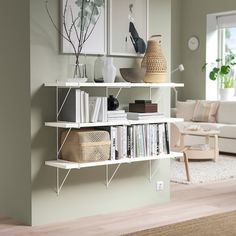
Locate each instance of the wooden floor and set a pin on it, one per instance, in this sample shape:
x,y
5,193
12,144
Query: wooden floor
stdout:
x,y
187,202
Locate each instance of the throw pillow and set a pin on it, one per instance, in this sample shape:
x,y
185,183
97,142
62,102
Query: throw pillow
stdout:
x,y
205,111
185,110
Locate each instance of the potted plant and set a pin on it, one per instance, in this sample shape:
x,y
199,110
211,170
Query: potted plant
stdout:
x,y
223,70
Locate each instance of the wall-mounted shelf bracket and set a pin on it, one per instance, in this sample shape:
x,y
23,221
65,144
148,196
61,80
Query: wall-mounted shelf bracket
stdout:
x,y
60,185
152,172
109,179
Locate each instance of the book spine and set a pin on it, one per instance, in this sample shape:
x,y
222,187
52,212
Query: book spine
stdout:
x,y
144,140
161,144
86,107
148,144
105,108
120,142
97,108
155,139
134,141
113,143
77,106
82,116
124,139
167,138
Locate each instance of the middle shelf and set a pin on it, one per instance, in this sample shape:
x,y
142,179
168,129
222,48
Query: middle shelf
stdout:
x,y
75,125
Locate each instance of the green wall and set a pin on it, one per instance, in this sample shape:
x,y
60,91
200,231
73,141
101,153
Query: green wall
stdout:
x,y
15,181
192,21
84,192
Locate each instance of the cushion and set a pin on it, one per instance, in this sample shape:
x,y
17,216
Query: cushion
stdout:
x,y
228,131
185,110
205,111
227,112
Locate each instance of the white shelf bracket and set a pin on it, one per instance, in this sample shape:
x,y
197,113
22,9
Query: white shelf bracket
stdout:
x,y
107,92
67,134
150,93
118,93
151,172
109,179
63,103
59,186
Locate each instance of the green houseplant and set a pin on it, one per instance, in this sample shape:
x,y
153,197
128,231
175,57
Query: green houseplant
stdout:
x,y
223,70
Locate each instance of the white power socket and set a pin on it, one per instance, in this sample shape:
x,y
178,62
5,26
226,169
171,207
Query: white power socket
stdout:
x,y
160,185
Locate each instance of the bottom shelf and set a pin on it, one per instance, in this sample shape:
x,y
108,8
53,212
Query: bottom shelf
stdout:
x,y
61,164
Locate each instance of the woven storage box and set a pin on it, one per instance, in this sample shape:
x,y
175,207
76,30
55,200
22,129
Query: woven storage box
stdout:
x,y
86,146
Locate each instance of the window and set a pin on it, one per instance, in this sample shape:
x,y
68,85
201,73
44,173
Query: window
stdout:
x,y
221,41
226,25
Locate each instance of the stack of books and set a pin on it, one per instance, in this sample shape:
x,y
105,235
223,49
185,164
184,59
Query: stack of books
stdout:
x,y
98,109
144,116
77,106
118,115
73,106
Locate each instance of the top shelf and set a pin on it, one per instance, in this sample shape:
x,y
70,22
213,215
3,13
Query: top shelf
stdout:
x,y
64,84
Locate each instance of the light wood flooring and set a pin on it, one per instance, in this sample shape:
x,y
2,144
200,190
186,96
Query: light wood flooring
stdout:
x,y
187,202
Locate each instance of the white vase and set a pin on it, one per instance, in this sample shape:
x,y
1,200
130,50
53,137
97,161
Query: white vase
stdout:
x,y
98,67
227,94
109,71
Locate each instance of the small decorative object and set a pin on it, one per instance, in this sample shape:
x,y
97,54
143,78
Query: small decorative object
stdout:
x,y
98,66
133,75
79,18
154,61
193,43
109,71
223,70
143,106
112,103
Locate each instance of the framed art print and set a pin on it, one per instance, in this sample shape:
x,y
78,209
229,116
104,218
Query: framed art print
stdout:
x,y
70,16
128,27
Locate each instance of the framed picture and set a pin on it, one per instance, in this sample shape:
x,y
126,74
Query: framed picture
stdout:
x,y
97,40
125,16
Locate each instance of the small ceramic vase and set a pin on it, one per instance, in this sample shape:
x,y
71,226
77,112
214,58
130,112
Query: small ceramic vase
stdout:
x,y
109,71
98,67
112,103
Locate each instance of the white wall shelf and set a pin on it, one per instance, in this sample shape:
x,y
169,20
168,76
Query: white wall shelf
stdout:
x,y
62,124
68,166
65,84
74,165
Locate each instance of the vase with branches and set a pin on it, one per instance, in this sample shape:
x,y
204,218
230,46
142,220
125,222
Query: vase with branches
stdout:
x,y
79,18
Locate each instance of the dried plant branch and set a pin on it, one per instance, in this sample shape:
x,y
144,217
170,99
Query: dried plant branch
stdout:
x,y
82,32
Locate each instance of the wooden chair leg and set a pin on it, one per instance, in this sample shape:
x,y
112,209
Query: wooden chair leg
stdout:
x,y
186,166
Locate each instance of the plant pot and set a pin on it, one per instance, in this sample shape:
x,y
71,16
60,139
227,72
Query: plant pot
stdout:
x,y
227,94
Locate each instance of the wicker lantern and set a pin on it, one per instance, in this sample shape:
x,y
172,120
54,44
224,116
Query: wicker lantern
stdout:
x,y
154,61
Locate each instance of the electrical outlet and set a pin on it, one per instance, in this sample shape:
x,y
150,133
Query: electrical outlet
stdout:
x,y
160,185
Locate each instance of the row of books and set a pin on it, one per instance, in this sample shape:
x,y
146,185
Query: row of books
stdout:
x,y
139,141
77,106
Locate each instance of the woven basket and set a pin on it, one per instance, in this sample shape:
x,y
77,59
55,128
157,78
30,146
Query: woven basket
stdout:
x,y
86,146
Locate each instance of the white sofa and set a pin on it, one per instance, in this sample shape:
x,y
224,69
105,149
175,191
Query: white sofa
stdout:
x,y
225,123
